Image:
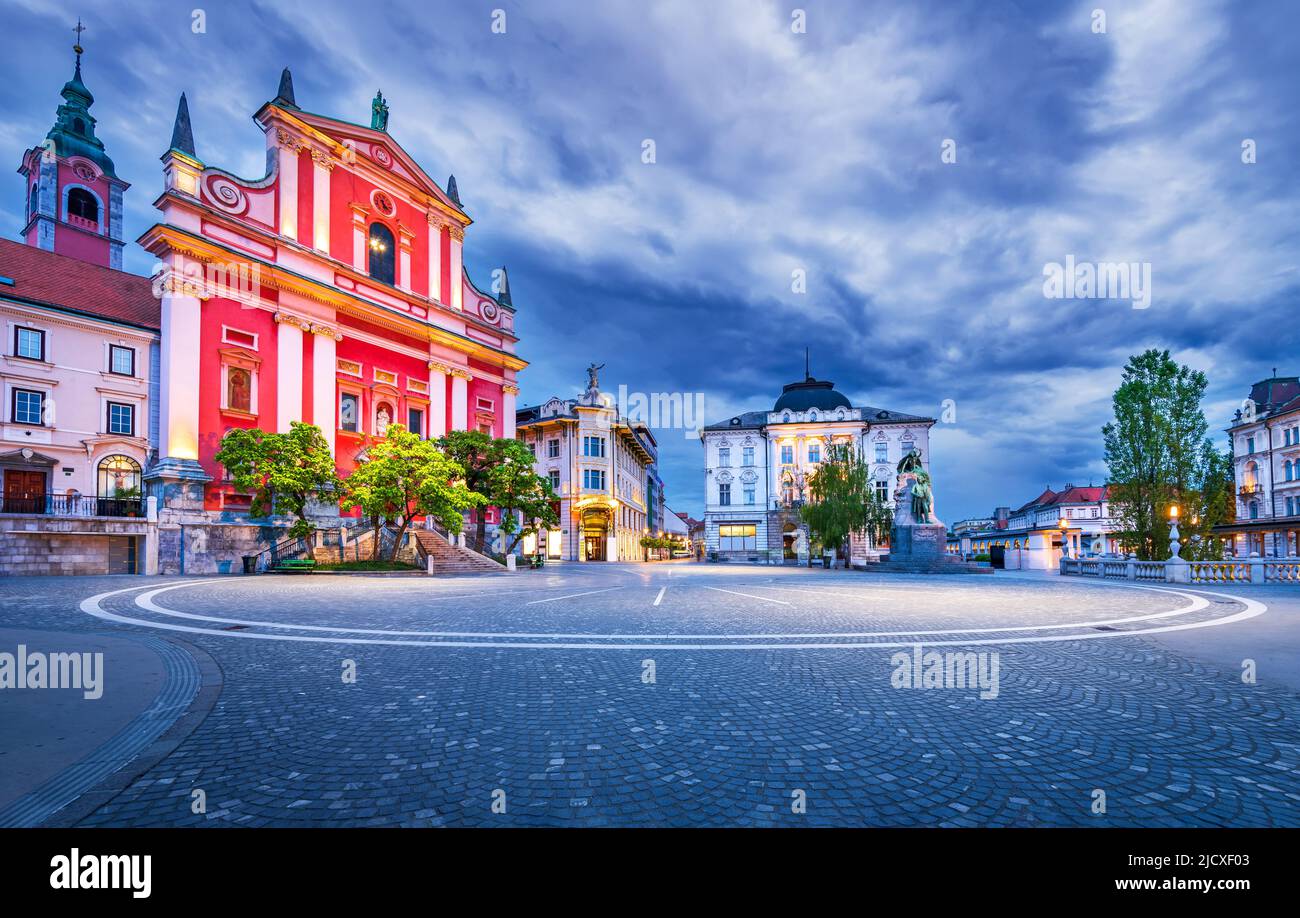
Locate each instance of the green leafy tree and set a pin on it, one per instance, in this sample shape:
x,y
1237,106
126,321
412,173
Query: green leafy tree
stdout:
x,y
404,476
473,451
523,497
1159,456
501,470
843,500
282,471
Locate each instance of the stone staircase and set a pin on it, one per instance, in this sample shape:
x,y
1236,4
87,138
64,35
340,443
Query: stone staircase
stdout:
x,y
451,559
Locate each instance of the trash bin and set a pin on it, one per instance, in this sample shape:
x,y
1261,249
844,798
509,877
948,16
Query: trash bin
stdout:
x,y
250,564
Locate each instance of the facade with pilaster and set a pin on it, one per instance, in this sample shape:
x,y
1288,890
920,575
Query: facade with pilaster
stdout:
x,y
598,464
331,291
1265,439
758,465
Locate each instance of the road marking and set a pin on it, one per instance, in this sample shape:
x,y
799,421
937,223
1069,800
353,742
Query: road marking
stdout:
x,y
92,606
749,595
660,597
572,596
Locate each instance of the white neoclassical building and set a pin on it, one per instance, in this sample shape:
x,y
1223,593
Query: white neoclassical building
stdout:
x,y
1265,436
758,463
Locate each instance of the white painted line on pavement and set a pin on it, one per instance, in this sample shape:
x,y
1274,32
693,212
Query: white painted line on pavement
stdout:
x,y
660,597
572,596
749,595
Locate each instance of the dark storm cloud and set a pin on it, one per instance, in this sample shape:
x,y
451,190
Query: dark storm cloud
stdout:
x,y
776,152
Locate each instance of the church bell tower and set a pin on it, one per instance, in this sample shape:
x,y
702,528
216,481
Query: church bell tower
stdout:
x,y
73,195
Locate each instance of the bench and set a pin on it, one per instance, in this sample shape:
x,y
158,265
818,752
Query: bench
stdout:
x,y
296,566
537,561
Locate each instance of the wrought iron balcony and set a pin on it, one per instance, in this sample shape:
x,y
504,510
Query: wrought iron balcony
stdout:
x,y
73,505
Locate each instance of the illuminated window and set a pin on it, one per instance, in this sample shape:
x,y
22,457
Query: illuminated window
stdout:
x,y
737,537
382,254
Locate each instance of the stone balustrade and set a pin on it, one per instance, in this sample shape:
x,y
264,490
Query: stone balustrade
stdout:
x,y
1232,570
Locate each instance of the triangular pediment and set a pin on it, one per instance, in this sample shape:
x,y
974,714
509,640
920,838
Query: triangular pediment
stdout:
x,y
380,149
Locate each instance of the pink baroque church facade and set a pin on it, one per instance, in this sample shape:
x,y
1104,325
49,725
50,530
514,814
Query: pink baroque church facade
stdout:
x,y
330,290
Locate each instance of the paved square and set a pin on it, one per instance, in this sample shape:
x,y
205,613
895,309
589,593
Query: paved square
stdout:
x,y
685,695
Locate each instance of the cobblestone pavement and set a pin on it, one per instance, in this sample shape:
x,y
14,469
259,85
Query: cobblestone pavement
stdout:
x,y
770,686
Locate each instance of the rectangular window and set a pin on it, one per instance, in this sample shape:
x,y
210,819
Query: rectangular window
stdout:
x,y
787,455
882,452
814,453
724,495
908,446
1250,444
593,479
552,449
882,491
593,447
415,421
738,537
121,419
747,455
121,360
724,456
554,478
29,343
349,411
749,494
28,407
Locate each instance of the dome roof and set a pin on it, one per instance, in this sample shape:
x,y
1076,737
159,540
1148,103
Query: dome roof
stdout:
x,y
811,393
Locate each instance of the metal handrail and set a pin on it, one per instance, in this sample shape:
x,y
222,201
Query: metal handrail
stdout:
x,y
74,505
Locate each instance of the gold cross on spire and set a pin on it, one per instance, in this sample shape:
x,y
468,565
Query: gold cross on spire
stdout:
x,y
79,29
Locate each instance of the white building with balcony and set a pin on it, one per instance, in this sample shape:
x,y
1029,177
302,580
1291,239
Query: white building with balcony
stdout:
x,y
758,465
1265,436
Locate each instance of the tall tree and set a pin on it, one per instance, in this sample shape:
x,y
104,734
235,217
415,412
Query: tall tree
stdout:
x,y
843,500
523,497
1159,456
404,476
283,471
475,452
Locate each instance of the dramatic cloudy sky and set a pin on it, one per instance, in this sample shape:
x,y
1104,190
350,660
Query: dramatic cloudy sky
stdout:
x,y
778,151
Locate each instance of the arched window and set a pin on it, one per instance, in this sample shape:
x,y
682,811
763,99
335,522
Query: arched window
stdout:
x,y
78,126
383,253
81,203
1252,474
36,199
118,474
1254,510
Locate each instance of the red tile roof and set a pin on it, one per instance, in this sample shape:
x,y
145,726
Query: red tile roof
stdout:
x,y
1045,498
1089,495
46,279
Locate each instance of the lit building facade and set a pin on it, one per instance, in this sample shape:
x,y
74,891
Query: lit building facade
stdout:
x,y
78,365
331,291
598,464
1265,438
1038,531
758,465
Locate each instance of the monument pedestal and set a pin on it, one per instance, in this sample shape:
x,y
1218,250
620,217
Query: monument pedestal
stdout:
x,y
918,542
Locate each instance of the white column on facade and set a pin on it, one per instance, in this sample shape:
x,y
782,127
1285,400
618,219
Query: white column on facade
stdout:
x,y
287,163
457,283
460,399
359,238
437,398
179,408
508,395
322,165
435,259
288,371
404,238
324,398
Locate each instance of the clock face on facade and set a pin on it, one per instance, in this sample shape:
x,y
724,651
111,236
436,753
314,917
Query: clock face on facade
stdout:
x,y
383,203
